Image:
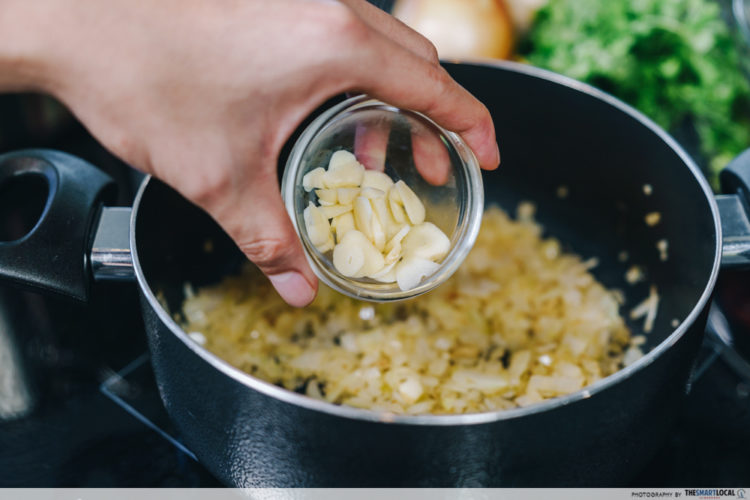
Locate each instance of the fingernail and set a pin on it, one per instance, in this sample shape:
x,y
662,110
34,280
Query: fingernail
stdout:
x,y
497,152
293,288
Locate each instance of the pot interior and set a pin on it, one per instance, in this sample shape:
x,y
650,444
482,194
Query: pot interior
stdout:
x,y
553,137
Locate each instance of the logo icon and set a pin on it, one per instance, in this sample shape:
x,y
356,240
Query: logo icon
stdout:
x,y
741,493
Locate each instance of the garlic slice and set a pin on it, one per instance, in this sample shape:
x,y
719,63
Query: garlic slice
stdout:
x,y
411,202
393,255
380,207
316,223
346,256
343,171
314,179
378,180
372,193
410,271
363,216
328,245
426,241
396,239
327,196
378,234
342,225
335,210
341,159
397,211
346,195
386,275
395,196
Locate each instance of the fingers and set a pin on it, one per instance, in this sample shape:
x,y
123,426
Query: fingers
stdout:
x,y
258,222
431,158
430,155
371,143
395,30
395,75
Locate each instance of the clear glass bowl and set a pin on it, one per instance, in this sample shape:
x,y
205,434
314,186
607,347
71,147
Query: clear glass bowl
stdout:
x,y
384,137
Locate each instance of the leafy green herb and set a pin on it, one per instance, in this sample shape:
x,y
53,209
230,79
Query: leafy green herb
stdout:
x,y
675,60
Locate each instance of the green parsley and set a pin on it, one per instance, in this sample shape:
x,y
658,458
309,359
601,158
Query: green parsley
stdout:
x,y
675,60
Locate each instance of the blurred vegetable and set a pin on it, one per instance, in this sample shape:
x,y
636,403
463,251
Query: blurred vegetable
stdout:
x,y
523,13
675,60
461,28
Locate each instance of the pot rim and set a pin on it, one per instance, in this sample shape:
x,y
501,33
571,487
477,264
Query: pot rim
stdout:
x,y
348,412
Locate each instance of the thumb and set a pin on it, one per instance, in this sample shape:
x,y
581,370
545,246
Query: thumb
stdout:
x,y
260,226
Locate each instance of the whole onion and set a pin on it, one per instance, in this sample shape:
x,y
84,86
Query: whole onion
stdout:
x,y
461,28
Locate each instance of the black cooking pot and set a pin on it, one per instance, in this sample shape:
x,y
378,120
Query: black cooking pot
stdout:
x,y
616,165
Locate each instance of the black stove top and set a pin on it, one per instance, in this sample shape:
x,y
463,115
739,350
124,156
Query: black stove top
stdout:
x,y
74,434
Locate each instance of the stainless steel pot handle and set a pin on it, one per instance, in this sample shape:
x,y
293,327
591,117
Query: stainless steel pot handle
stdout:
x,y
111,259
735,212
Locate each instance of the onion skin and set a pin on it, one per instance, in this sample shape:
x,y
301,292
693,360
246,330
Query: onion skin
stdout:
x,y
461,28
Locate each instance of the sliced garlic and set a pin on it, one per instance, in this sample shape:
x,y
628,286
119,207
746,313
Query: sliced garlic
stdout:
x,y
363,216
335,210
377,228
426,241
314,179
342,225
380,207
378,234
374,261
328,245
346,195
393,247
411,271
396,239
394,196
389,277
397,211
341,159
372,193
393,255
346,256
412,204
378,180
327,196
316,223
385,275
343,171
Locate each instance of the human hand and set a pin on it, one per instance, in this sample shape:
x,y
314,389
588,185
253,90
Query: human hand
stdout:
x,y
204,94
